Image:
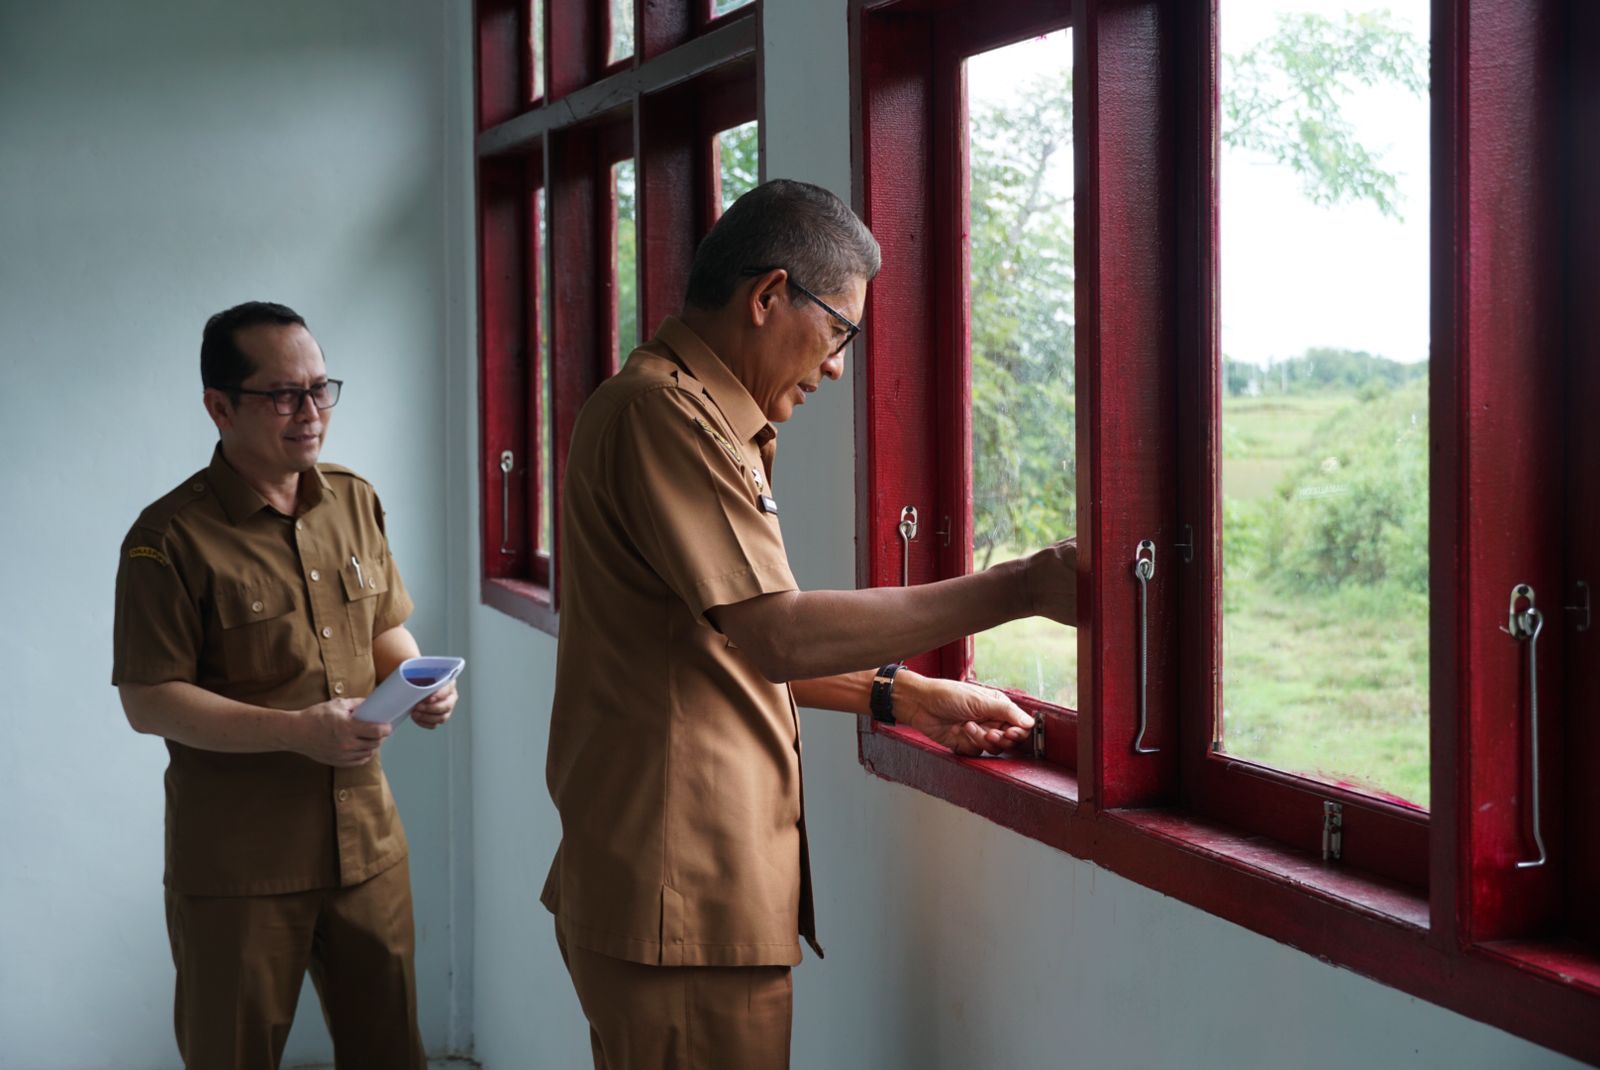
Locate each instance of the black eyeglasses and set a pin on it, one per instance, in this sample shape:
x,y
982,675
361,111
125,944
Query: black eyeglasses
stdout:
x,y
852,328
288,401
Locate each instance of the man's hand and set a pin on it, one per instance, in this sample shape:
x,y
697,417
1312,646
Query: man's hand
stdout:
x,y
967,718
1053,581
327,733
434,710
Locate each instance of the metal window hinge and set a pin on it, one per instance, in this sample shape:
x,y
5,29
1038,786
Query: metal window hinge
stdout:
x,y
1038,735
1581,608
1332,831
1186,547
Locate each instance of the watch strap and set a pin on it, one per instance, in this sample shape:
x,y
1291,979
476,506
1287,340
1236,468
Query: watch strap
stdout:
x,y
881,701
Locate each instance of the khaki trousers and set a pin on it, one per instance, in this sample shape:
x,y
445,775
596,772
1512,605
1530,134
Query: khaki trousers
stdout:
x,y
241,961
682,1017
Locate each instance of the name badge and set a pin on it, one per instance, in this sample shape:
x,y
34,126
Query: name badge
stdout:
x,y
768,504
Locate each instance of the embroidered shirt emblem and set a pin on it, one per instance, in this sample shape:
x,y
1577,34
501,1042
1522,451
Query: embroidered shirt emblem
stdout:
x,y
733,451
147,551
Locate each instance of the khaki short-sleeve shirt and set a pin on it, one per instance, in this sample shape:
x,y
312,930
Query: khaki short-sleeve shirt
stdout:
x,y
674,763
217,589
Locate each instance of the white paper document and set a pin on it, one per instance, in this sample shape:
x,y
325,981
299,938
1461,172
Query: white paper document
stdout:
x,y
413,681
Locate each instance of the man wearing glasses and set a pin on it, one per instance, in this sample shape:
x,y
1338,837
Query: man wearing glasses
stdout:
x,y
257,604
681,887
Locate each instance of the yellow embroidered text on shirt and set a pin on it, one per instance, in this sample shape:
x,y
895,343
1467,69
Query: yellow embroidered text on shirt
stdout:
x,y
148,551
733,450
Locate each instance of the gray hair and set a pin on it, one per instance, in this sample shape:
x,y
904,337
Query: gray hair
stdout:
x,y
787,224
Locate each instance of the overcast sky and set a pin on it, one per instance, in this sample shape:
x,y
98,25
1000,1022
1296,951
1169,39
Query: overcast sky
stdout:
x,y
1296,275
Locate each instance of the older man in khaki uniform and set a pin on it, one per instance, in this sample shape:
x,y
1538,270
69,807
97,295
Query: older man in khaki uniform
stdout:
x,y
682,884
256,603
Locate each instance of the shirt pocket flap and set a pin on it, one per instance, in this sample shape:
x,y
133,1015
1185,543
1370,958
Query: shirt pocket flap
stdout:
x,y
256,602
363,584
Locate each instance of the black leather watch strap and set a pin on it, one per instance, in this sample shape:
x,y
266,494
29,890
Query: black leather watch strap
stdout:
x,y
881,701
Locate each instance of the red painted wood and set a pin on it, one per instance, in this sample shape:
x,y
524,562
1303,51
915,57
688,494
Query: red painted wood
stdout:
x,y
1582,367
527,602
575,45
499,44
578,308
1127,445
902,411
668,227
1510,397
505,367
659,26
1543,992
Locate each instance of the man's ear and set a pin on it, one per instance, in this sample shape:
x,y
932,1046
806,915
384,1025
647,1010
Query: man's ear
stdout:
x,y
219,407
764,291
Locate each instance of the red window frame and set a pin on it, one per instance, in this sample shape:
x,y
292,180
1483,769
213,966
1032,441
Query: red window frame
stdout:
x,y
1430,903
690,77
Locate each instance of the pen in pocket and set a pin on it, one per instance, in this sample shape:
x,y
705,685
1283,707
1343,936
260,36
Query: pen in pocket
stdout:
x,y
360,581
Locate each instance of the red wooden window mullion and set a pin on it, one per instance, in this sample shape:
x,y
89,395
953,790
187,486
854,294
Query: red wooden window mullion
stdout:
x,y
665,195
1126,374
574,45
659,27
506,367
902,414
1582,803
501,53
575,196
1507,310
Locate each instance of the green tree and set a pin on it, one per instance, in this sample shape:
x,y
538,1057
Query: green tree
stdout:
x,y
1023,382
739,161
1284,97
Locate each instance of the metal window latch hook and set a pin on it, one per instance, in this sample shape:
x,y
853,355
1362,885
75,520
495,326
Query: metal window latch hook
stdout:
x,y
908,531
1144,570
1524,623
507,460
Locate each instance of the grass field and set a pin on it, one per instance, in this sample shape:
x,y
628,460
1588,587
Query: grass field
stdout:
x,y
1332,684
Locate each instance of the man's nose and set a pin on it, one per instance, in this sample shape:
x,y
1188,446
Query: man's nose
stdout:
x,y
308,409
833,367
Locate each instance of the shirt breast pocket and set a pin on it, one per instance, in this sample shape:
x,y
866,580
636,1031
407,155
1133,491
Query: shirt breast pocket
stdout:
x,y
258,631
361,597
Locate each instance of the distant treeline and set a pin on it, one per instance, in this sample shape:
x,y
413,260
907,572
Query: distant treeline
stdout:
x,y
1318,370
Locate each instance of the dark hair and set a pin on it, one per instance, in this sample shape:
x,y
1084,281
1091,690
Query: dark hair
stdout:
x,y
788,224
223,365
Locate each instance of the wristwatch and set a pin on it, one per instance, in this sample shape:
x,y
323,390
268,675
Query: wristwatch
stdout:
x,y
881,702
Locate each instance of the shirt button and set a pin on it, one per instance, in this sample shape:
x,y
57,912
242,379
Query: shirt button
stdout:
x,y
256,607
198,487
327,633
315,575
299,525
344,795
338,689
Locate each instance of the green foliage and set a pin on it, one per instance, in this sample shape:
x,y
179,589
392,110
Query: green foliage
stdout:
x,y
1320,368
1023,383
627,260
740,162
1282,98
1355,509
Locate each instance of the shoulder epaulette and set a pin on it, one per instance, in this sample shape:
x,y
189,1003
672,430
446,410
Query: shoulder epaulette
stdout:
x,y
159,513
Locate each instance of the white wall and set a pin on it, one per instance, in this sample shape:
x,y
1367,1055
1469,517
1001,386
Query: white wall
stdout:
x,y
952,944
160,161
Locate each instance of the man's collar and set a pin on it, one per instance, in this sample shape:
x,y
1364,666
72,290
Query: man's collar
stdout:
x,y
744,416
240,500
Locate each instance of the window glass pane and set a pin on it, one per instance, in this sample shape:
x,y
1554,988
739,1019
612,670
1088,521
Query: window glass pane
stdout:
x,y
738,161
546,532
722,7
626,258
536,46
1324,439
621,29
1024,464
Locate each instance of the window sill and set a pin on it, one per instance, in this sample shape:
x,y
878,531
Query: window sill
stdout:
x,y
1546,992
527,602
